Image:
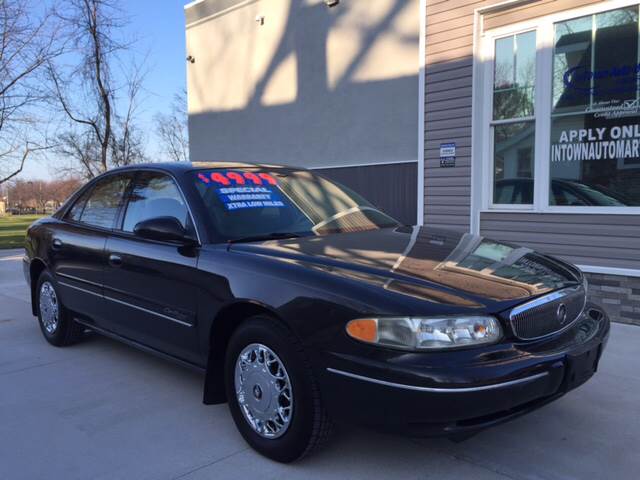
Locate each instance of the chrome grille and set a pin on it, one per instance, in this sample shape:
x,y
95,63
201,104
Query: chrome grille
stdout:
x,y
548,314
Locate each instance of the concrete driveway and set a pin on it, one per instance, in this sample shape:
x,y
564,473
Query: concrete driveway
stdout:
x,y
101,410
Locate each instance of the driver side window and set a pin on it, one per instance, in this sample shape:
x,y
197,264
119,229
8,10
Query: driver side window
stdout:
x,y
154,195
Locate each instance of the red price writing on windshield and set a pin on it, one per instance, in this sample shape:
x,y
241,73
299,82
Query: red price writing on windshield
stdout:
x,y
236,178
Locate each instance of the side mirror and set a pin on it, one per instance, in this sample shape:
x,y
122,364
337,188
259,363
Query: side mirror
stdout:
x,y
163,229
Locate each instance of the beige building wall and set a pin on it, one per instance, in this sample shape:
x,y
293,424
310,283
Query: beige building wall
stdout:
x,y
298,83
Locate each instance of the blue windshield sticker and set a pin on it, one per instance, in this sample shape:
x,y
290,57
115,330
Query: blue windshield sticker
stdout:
x,y
237,198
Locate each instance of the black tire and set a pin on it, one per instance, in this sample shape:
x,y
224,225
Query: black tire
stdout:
x,y
67,332
310,425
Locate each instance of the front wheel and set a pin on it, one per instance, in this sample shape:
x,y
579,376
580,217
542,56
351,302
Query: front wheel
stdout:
x,y
273,396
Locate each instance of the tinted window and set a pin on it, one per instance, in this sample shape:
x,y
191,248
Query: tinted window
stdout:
x,y
154,195
106,197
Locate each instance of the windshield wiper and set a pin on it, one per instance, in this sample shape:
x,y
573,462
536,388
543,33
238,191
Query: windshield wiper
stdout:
x,y
266,236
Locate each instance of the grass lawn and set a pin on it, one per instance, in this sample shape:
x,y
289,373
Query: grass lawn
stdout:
x,y
13,228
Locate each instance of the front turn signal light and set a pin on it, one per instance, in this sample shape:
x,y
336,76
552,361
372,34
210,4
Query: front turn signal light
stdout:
x,y
365,329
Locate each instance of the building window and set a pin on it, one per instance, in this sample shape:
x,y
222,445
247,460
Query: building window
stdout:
x,y
561,112
595,127
513,119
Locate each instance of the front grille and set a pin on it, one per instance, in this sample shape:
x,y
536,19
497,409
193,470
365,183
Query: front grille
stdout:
x,y
548,314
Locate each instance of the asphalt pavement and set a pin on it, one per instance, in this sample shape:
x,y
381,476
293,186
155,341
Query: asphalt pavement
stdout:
x,y
102,410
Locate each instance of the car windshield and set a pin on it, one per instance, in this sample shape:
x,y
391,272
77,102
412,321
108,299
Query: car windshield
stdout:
x,y
255,202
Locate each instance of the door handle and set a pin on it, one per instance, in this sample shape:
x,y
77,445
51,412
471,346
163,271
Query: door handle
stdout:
x,y
115,260
56,244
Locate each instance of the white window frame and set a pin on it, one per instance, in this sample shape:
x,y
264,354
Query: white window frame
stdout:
x,y
483,89
489,122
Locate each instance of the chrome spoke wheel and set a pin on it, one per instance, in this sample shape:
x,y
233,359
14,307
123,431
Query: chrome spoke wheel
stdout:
x,y
263,390
49,308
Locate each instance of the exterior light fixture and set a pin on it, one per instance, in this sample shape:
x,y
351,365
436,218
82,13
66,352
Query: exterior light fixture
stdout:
x,y
331,3
191,59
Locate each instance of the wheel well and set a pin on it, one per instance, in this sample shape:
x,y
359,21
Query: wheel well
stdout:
x,y
223,326
36,267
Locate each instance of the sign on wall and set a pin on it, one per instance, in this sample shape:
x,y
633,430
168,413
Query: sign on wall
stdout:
x,y
447,155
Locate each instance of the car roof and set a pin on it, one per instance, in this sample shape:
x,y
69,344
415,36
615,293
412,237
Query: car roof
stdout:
x,y
178,167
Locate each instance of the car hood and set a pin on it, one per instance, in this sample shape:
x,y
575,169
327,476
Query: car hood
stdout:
x,y
430,264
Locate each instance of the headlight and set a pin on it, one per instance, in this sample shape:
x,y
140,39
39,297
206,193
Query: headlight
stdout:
x,y
431,333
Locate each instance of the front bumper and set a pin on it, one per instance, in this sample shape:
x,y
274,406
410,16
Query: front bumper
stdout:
x,y
459,392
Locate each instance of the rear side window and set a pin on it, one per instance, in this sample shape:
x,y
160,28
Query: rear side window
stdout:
x,y
76,210
102,206
154,195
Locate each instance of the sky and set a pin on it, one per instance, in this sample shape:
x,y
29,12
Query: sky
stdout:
x,y
159,27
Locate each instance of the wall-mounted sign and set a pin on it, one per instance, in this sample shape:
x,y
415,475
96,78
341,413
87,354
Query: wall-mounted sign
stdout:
x,y
447,155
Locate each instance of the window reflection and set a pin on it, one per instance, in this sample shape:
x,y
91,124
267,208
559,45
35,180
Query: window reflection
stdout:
x,y
154,195
513,132
517,264
595,127
104,201
514,76
513,146
294,202
476,265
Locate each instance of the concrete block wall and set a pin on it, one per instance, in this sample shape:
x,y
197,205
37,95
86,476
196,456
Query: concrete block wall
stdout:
x,y
620,296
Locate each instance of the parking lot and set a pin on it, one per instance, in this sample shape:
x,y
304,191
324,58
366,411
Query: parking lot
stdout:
x,y
101,410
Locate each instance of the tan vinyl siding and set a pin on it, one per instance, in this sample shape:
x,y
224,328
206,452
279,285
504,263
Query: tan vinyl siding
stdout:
x,y
448,103
532,10
584,239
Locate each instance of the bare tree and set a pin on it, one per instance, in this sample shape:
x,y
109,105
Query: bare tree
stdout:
x,y
63,188
172,129
39,194
82,149
127,145
89,93
27,42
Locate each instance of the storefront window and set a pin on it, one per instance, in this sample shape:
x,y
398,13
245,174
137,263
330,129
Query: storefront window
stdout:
x,y
513,145
595,120
513,124
514,76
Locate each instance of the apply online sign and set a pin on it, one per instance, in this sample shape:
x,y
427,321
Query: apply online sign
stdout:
x,y
602,143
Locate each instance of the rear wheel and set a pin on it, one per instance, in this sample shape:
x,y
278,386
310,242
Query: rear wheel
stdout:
x,y
56,324
273,396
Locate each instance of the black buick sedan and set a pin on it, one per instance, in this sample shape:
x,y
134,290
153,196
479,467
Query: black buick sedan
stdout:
x,y
305,304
